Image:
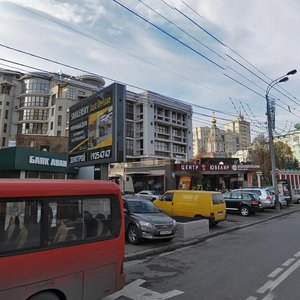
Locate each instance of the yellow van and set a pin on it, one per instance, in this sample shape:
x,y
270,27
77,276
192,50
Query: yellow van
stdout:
x,y
194,204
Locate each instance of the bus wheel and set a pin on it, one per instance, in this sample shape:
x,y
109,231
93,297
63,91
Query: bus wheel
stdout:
x,y
44,296
133,235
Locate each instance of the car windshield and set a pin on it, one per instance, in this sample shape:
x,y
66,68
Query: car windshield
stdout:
x,y
139,206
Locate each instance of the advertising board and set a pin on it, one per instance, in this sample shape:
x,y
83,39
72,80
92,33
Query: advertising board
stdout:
x,y
96,128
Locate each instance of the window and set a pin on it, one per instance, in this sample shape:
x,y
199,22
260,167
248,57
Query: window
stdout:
x,y
217,198
129,129
5,88
60,108
63,219
168,197
22,224
4,127
161,146
59,120
129,147
71,94
58,133
52,111
129,110
51,126
3,141
72,220
6,114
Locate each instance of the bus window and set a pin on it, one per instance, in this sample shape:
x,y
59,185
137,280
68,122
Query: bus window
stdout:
x,y
22,225
97,217
67,223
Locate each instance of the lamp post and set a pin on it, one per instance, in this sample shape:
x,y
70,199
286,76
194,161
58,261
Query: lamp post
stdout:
x,y
271,126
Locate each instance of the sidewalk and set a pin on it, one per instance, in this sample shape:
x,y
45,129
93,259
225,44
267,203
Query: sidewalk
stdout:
x,y
233,222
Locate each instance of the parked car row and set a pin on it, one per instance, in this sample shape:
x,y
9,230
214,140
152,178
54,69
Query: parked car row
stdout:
x,y
154,220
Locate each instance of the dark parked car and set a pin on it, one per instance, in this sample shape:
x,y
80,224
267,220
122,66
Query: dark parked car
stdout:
x,y
143,220
243,202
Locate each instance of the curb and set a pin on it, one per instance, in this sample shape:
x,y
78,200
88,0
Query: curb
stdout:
x,y
181,244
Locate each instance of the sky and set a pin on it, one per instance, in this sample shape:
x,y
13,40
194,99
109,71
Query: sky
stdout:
x,y
217,55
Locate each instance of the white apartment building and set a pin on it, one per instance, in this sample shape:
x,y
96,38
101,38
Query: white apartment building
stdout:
x,y
292,139
242,128
37,103
157,127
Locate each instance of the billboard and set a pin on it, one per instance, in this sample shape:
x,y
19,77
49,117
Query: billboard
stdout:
x,y
96,128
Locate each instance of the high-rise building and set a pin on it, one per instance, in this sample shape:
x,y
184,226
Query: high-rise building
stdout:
x,y
242,128
157,127
36,105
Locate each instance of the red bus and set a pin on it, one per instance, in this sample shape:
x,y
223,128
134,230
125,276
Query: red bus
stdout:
x,y
60,239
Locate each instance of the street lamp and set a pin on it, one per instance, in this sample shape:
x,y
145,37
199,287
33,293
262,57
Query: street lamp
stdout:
x,y
271,126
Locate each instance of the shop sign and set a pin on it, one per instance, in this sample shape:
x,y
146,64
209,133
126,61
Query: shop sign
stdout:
x,y
47,161
215,168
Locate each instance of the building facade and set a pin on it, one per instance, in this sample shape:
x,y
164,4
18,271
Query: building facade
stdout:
x,y
213,141
157,127
292,139
242,128
36,104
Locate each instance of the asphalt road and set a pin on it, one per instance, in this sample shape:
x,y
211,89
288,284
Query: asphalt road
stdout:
x,y
257,262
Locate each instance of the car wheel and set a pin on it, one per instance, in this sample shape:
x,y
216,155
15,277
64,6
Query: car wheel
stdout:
x,y
245,211
133,235
44,296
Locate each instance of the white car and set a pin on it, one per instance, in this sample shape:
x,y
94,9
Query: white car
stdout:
x,y
150,195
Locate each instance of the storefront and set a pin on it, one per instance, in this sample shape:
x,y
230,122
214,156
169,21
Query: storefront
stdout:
x,y
19,162
220,177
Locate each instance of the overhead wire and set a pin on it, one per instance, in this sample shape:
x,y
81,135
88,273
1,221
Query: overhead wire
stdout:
x,y
105,76
223,44
169,35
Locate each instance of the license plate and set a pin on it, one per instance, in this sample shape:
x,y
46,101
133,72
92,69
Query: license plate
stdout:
x,y
165,232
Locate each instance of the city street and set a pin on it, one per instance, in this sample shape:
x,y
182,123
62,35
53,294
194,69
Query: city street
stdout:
x,y
257,262
233,221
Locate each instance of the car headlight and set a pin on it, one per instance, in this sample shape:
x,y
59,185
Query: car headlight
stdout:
x,y
174,222
145,224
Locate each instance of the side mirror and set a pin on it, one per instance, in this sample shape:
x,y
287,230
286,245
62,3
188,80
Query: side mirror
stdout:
x,y
125,210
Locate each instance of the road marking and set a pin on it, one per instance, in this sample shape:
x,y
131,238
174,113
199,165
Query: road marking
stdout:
x,y
297,254
288,262
268,297
134,291
265,287
275,272
251,298
284,275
